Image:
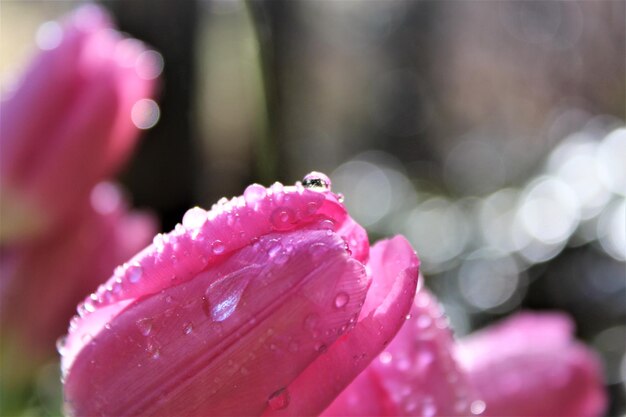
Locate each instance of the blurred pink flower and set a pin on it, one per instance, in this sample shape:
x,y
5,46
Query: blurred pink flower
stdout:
x,y
530,365
527,365
65,129
68,124
42,280
270,303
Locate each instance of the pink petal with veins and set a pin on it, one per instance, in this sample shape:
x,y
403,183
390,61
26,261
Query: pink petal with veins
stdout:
x,y
529,365
223,315
394,268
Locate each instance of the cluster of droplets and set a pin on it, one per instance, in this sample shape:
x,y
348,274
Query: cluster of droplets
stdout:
x,y
194,221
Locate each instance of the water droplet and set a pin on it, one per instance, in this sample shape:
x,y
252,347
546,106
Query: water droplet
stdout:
x,y
254,193
86,338
153,350
478,407
316,181
61,345
293,346
282,218
408,317
188,328
194,218
88,306
321,347
317,250
145,326
135,272
385,358
218,247
273,347
327,225
279,399
281,258
341,300
340,197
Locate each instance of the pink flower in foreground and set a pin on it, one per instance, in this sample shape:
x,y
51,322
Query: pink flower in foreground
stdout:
x,y
270,303
68,124
526,366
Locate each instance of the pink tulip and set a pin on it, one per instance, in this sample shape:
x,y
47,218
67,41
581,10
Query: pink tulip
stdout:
x,y
68,124
529,365
42,280
526,366
269,303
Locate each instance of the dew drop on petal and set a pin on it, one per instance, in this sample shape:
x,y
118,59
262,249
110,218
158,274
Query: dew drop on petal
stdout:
x,y
317,250
316,181
341,300
218,247
282,218
293,346
279,399
135,272
188,328
321,347
60,344
253,194
145,326
194,218
327,225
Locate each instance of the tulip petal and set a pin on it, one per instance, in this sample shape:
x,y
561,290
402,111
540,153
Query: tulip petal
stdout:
x,y
325,378
529,365
365,396
226,342
207,238
69,121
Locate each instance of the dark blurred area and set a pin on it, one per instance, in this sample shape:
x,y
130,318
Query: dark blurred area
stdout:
x,y
490,133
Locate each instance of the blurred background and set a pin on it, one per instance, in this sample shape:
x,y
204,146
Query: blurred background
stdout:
x,y
490,133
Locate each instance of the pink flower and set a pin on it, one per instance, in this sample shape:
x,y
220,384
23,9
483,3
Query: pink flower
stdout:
x,y
270,303
526,366
66,128
529,365
42,280
68,125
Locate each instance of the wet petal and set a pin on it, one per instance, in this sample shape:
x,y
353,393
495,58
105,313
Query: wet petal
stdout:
x,y
204,239
365,396
223,343
416,372
325,378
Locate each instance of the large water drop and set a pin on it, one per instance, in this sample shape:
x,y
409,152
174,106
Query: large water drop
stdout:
x,y
316,181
